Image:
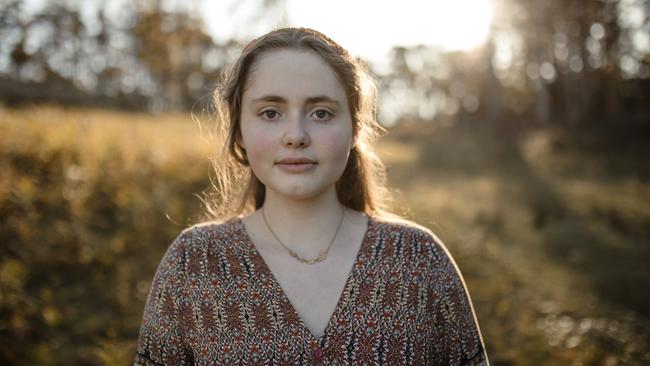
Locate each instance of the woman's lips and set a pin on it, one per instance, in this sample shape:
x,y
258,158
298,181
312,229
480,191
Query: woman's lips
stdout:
x,y
296,166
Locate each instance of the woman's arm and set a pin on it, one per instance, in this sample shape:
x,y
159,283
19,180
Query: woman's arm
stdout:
x,y
161,333
459,340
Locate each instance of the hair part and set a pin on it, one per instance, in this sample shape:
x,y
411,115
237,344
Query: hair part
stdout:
x,y
361,187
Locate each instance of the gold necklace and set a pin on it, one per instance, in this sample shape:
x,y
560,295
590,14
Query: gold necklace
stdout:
x,y
321,257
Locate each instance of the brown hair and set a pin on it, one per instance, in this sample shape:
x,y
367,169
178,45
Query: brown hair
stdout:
x,y
362,184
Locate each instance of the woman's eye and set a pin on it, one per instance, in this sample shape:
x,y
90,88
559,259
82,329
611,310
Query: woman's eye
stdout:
x,y
322,114
269,114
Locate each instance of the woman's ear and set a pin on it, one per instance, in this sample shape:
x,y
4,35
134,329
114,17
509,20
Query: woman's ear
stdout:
x,y
354,141
239,140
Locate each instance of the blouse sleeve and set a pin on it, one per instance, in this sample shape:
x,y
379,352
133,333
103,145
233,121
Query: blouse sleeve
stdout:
x,y
459,340
161,332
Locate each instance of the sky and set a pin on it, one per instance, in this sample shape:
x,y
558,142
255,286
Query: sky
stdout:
x,y
366,28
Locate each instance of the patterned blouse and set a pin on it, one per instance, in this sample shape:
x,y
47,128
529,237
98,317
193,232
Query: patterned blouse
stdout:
x,y
214,301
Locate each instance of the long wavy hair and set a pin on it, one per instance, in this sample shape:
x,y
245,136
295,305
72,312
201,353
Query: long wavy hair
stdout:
x,y
235,188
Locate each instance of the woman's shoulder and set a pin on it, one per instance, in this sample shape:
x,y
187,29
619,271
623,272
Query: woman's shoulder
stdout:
x,y
214,226
401,226
206,233
413,233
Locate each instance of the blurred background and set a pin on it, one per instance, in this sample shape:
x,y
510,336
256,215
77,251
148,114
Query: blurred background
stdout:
x,y
518,131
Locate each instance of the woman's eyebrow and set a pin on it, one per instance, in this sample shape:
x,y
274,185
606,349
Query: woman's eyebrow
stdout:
x,y
310,100
321,98
270,98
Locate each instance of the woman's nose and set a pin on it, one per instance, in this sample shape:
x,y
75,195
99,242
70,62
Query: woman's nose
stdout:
x,y
296,134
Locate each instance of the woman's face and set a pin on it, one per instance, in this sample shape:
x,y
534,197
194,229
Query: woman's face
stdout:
x,y
296,126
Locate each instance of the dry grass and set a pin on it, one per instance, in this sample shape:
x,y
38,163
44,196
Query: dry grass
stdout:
x,y
552,246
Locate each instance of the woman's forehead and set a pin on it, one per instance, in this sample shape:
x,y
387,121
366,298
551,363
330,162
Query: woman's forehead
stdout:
x,y
292,74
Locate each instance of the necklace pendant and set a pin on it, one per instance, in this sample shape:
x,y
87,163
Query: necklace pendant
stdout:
x,y
321,257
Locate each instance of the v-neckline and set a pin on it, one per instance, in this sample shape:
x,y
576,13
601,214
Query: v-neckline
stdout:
x,y
337,309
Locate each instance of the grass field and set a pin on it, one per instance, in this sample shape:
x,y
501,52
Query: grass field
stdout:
x,y
551,231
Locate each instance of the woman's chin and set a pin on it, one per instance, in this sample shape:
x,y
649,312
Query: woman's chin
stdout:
x,y
299,192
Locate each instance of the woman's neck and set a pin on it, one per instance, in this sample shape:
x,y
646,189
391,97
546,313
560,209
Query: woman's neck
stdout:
x,y
307,224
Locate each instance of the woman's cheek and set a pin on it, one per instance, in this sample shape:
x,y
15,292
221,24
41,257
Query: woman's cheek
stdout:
x,y
260,150
338,145
257,143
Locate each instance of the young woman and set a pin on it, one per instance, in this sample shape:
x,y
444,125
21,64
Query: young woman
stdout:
x,y
305,265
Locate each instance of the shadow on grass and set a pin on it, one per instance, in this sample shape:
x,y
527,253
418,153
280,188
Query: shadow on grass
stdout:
x,y
618,272
614,264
